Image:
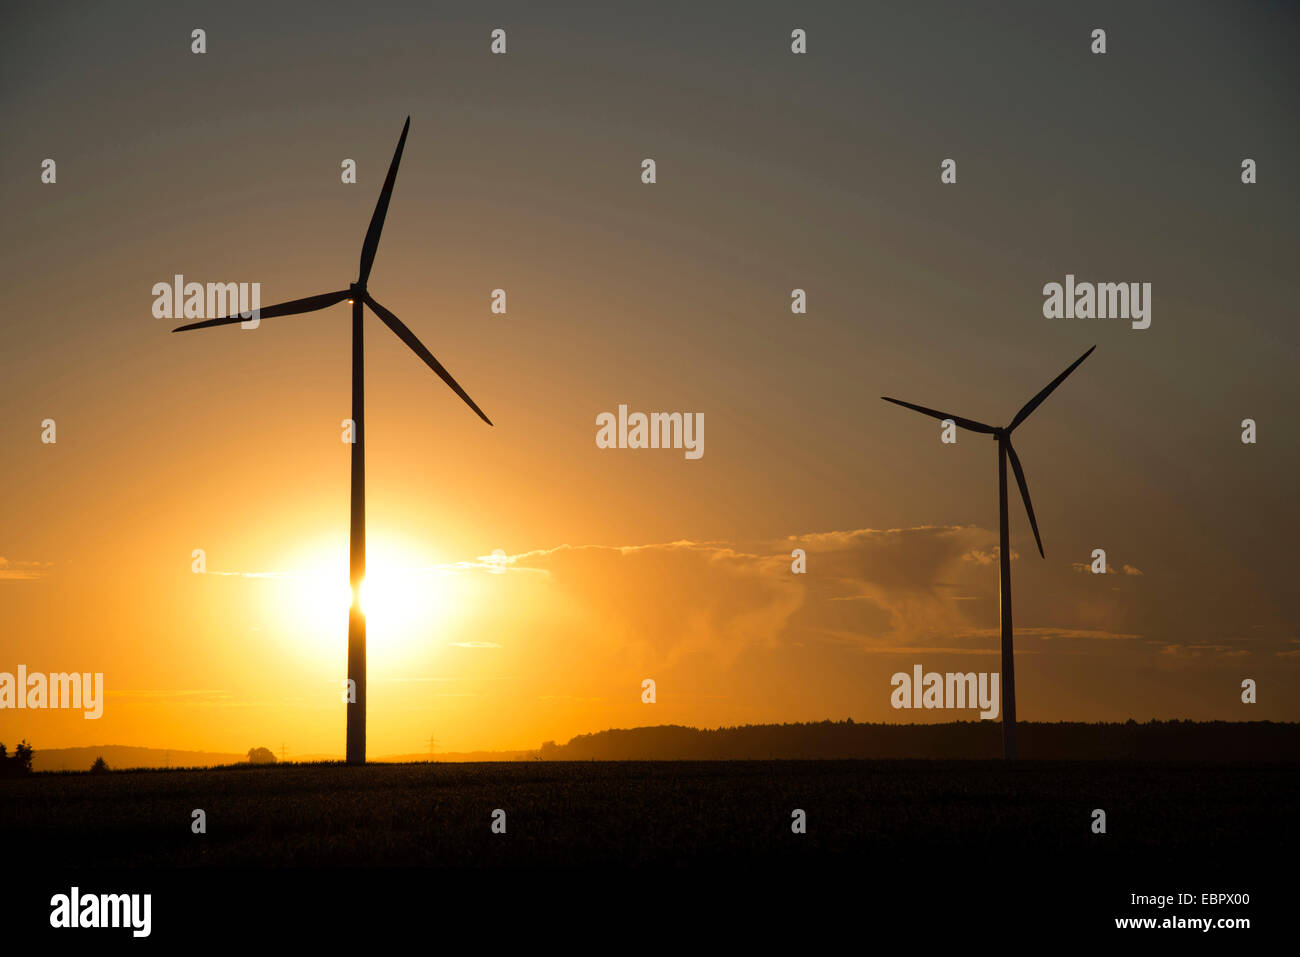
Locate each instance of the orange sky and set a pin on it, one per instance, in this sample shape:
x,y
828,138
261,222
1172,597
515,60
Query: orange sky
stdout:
x,y
523,173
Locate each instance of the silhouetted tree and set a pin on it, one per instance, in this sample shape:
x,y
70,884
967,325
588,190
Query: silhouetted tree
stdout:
x,y
260,756
20,763
100,766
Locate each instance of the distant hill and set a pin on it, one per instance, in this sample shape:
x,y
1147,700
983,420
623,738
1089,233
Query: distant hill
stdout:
x,y
1154,740
121,756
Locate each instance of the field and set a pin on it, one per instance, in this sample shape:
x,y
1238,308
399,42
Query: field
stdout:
x,y
599,814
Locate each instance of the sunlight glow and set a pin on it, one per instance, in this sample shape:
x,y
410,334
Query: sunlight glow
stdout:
x,y
409,601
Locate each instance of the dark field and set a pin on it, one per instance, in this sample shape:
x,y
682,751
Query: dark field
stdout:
x,y
647,813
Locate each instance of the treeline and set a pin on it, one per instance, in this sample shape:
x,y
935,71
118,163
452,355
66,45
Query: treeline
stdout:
x,y
20,762
1151,741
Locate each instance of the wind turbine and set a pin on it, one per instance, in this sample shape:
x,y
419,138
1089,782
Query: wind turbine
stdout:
x,y
1005,451
357,294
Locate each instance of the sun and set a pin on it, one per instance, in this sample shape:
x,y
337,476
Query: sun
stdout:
x,y
409,599
398,597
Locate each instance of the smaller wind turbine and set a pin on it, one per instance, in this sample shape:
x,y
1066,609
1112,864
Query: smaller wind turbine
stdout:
x,y
1005,451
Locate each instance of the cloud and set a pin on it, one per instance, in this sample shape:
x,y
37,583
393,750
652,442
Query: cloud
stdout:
x,y
669,601
1111,569
498,563
665,602
1047,633
1203,650
929,590
23,571
900,581
987,557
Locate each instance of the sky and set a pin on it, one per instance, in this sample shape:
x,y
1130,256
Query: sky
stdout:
x,y
523,172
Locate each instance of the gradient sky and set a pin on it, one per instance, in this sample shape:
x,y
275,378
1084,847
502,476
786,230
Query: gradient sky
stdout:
x,y
522,171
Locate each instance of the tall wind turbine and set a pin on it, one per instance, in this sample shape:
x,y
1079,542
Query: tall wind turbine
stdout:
x,y
356,294
1005,451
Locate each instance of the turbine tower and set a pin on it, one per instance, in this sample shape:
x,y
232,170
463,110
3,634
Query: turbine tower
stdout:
x,y
357,294
1005,451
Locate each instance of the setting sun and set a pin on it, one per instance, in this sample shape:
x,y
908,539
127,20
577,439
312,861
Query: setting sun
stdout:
x,y
409,601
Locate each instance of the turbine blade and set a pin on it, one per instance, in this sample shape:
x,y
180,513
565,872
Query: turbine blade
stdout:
x,y
310,304
409,337
1037,400
371,245
1024,493
969,424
